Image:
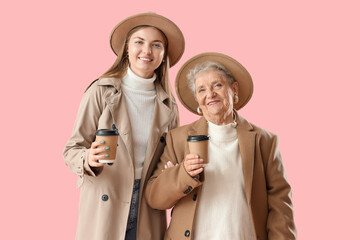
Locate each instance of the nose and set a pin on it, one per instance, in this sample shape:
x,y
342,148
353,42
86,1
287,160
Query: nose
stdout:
x,y
147,48
210,94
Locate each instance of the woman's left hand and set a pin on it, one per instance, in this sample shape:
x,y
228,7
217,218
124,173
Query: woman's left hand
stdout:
x,y
193,164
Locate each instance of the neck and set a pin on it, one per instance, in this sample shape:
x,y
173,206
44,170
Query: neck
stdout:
x,y
133,81
221,120
142,74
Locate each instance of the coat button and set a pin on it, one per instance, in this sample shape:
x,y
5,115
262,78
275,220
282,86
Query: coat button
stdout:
x,y
162,139
188,190
104,197
187,233
194,197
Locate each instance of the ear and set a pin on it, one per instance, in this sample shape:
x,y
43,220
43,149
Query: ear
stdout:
x,y
235,88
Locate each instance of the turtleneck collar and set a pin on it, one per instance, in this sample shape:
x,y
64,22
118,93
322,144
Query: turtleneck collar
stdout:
x,y
222,133
133,81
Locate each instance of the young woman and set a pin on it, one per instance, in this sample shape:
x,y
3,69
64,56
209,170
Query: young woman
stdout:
x,y
135,95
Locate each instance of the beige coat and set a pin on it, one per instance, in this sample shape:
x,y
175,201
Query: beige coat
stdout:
x,y
267,189
106,192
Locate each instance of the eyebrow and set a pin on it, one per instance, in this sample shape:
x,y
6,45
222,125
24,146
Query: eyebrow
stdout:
x,y
152,41
217,80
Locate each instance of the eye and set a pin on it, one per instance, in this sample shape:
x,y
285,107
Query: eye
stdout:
x,y
201,90
218,85
138,42
157,45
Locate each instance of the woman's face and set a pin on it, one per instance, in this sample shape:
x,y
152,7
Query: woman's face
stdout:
x,y
146,49
215,94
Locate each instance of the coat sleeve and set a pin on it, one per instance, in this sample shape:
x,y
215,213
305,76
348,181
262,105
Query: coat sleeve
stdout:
x,y
167,186
76,150
280,223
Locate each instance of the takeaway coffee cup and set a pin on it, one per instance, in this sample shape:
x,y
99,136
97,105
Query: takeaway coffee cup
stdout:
x,y
198,144
110,138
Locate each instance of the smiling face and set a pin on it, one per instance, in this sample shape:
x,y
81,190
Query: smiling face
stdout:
x,y
215,94
146,49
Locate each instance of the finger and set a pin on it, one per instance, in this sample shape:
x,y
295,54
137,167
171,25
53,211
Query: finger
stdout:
x,y
194,161
195,166
189,159
170,164
97,164
93,162
100,150
191,168
196,172
191,156
96,144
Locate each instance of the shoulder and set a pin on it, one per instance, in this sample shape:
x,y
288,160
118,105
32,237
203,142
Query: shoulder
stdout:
x,y
266,140
262,132
263,135
102,86
182,130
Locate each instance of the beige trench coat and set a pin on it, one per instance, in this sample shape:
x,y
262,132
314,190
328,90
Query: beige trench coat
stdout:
x,y
106,192
267,190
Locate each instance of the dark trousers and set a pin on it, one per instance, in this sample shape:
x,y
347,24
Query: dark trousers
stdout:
x,y
131,227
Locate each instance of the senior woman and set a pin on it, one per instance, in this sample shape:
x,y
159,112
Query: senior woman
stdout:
x,y
243,192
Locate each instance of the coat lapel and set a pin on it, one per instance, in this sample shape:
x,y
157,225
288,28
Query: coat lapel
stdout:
x,y
117,107
246,138
199,127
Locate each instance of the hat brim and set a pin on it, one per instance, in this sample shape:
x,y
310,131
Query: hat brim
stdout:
x,y
240,74
176,41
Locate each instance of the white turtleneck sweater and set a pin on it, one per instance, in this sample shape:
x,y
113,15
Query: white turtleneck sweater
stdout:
x,y
140,96
222,211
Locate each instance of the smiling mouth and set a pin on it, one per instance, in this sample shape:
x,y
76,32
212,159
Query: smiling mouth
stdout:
x,y
145,59
212,103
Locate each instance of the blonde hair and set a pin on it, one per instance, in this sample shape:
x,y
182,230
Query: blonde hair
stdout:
x,y
121,64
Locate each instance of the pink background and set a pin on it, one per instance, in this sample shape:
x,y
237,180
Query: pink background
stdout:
x,y
303,57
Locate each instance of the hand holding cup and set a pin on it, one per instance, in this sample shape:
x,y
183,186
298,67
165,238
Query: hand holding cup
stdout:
x,y
103,150
96,152
193,164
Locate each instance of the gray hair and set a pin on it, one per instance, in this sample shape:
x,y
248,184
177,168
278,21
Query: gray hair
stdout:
x,y
204,67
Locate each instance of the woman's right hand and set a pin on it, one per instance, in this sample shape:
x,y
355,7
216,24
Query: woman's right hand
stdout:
x,y
96,152
193,164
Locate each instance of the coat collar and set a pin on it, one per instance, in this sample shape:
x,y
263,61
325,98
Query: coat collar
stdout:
x,y
115,82
246,139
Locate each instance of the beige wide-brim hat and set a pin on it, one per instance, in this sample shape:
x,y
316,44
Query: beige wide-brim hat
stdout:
x,y
240,74
176,41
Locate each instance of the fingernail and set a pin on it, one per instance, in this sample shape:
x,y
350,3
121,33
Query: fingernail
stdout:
x,y
107,148
102,142
107,155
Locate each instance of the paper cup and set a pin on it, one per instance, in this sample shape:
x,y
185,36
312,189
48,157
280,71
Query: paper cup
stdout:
x,y
198,144
110,138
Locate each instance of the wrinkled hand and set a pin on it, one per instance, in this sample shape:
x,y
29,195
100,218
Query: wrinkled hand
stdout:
x,y
193,164
97,151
